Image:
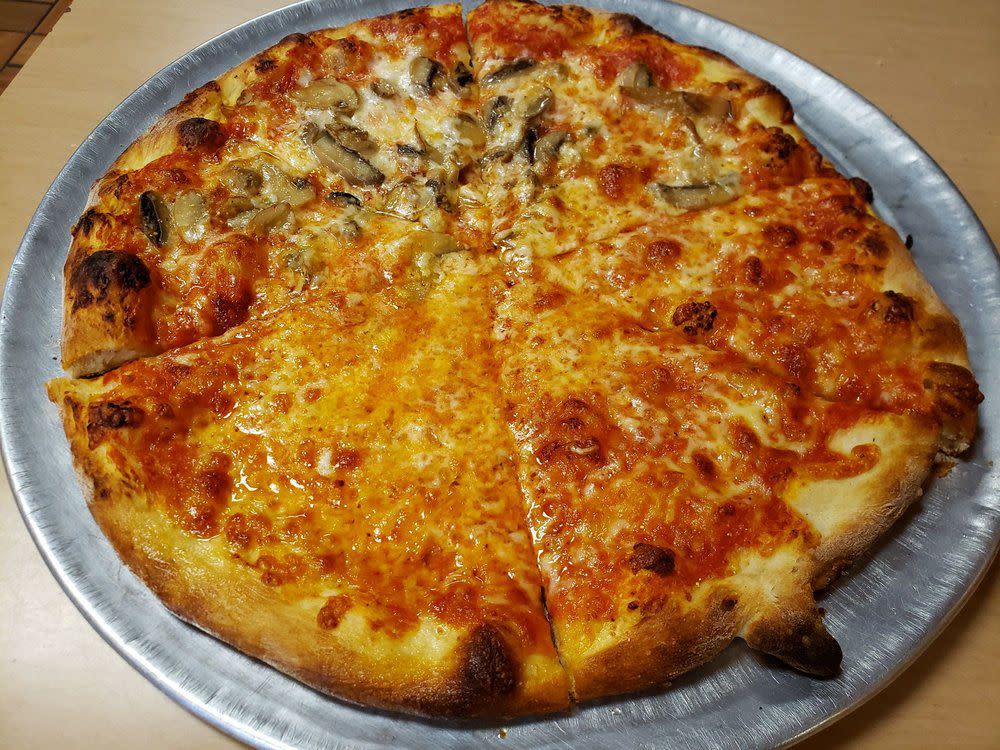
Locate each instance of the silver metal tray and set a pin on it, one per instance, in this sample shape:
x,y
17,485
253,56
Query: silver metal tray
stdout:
x,y
884,614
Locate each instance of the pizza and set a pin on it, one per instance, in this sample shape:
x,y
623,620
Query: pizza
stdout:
x,y
477,369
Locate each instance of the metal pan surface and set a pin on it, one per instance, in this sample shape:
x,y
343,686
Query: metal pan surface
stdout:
x,y
884,614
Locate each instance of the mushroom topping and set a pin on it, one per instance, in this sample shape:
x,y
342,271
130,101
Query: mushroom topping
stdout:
x,y
469,131
352,137
496,110
343,199
154,217
269,218
343,160
509,69
241,180
506,127
409,200
232,206
423,71
546,149
426,147
280,188
700,195
328,93
684,103
429,246
384,89
636,76
463,76
538,103
190,214
412,152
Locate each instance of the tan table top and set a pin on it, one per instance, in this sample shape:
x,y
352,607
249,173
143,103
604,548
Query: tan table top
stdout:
x,y
935,67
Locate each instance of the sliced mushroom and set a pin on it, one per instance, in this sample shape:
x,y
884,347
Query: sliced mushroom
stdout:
x,y
683,103
714,107
384,89
423,70
329,93
469,131
154,217
341,198
241,180
546,149
427,247
426,146
509,69
463,76
190,215
232,206
269,218
636,75
411,152
538,103
496,110
345,161
700,195
409,200
505,127
279,187
352,137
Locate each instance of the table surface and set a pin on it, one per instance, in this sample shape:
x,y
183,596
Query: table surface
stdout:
x,y
934,68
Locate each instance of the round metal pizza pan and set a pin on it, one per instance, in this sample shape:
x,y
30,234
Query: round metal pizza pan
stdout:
x,y
884,614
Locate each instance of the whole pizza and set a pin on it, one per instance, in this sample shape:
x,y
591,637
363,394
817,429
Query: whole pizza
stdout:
x,y
476,369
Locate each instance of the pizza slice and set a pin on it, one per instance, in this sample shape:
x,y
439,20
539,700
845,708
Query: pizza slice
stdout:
x,y
595,122
304,166
680,497
331,489
805,281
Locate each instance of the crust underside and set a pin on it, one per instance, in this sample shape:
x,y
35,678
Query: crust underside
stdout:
x,y
645,648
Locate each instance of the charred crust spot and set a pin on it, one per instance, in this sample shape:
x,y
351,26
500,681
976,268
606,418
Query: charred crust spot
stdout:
x,y
103,272
656,560
694,317
863,189
875,245
297,38
729,603
779,144
230,308
196,132
801,641
704,465
90,219
113,416
264,64
909,242
753,271
629,25
333,611
954,388
577,439
781,236
488,670
898,309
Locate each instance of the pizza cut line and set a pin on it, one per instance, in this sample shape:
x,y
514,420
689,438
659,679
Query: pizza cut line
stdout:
x,y
474,370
